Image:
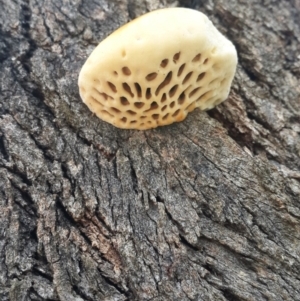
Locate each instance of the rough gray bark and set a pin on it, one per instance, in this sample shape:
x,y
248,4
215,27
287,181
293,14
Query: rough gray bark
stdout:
x,y
206,209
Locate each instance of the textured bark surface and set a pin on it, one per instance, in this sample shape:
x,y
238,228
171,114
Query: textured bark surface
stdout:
x,y
206,209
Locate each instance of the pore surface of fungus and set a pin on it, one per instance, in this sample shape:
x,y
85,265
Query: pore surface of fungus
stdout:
x,y
157,68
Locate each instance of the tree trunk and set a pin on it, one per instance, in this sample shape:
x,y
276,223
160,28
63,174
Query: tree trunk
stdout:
x,y
204,209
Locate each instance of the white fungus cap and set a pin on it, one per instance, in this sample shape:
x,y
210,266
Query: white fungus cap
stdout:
x,y
157,68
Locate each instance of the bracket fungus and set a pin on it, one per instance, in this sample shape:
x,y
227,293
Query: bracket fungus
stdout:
x,y
157,68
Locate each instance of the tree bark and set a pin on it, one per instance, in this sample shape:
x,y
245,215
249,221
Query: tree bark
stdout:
x,y
205,209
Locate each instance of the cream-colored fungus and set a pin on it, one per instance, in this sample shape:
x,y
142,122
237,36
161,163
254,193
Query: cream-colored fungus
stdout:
x,y
157,68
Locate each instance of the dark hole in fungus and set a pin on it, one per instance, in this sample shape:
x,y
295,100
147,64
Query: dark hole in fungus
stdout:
x,y
139,104
124,101
148,93
131,112
126,71
138,89
180,69
176,57
164,98
153,106
181,98
164,63
200,76
187,77
193,92
173,90
166,116
115,110
197,58
165,82
127,88
176,113
151,76
112,87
